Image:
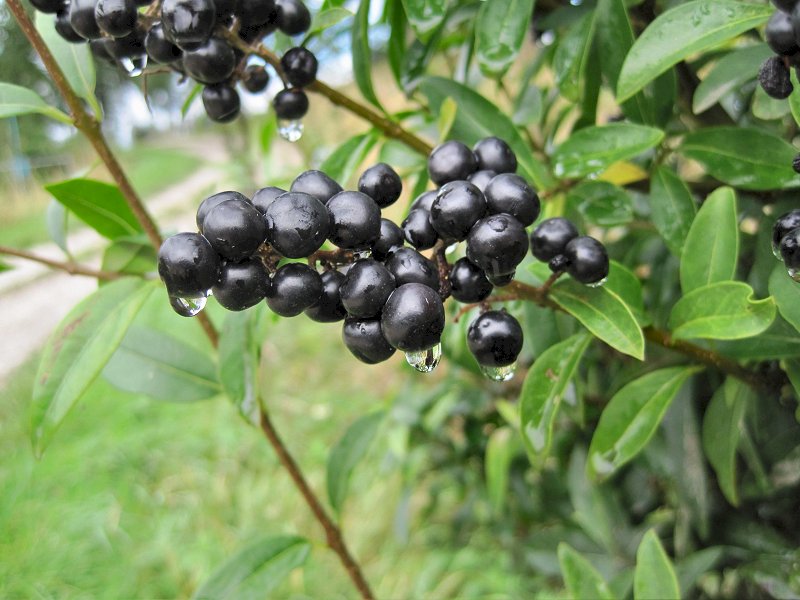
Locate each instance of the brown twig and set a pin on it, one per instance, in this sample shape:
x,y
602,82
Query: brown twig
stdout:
x,y
68,267
332,532
443,268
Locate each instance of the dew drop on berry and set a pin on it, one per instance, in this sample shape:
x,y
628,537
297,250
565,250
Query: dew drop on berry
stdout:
x,y
598,284
133,66
291,131
425,361
505,373
187,307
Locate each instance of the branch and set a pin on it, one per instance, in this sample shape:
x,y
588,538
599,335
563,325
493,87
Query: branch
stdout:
x,y
332,532
68,267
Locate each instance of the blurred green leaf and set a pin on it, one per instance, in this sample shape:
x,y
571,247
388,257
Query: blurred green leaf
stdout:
x,y
238,363
673,208
344,161
654,578
500,450
447,116
268,131
580,577
56,217
130,255
786,294
572,56
190,98
767,108
327,18
682,31
777,342
500,29
631,418
729,74
17,100
425,15
396,46
601,203
362,54
255,571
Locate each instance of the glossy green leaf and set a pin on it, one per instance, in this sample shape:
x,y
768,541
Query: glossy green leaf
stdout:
x,y
362,54
581,579
132,256
766,108
631,418
500,29
627,286
729,74
16,100
478,118
711,248
603,313
722,431
724,310
594,149
162,367
328,18
347,453
344,161
673,208
572,56
543,389
601,203
778,342
746,158
100,205
78,350
425,15
500,450
786,293
447,116
238,363
654,577
256,570
682,31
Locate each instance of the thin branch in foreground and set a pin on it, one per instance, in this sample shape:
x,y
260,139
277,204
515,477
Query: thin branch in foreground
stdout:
x,y
68,267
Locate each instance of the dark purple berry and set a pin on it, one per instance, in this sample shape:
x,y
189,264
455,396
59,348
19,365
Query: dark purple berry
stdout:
x,y
493,154
458,206
266,196
509,193
480,179
188,265
497,244
796,163
300,66
355,220
391,238
255,79
221,102
297,224
64,27
317,184
409,266
159,48
495,339
558,264
364,339
785,223
293,17
785,5
212,62
588,260
451,161
551,237
413,318
295,287
780,34
775,78
501,280
213,201
188,23
48,6
81,17
790,249
418,229
242,285
425,200
116,17
468,282
290,104
235,229
254,12
366,288
329,307
381,183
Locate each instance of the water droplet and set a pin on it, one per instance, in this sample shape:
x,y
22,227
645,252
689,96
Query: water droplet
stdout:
x,y
776,252
426,360
187,307
133,66
451,248
598,284
291,131
794,274
500,373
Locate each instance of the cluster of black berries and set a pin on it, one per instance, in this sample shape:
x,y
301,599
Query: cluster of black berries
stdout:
x,y
390,296
786,242
190,37
783,36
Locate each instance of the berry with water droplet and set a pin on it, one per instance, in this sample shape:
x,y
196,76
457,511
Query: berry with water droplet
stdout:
x,y
329,307
497,244
381,183
188,265
355,220
290,104
364,339
493,154
235,229
413,318
409,266
366,288
221,102
495,339
295,287
297,224
241,285
457,207
451,161
588,260
551,237
511,194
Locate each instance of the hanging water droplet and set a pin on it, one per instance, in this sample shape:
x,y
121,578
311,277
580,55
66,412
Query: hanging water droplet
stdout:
x,y
776,252
291,131
451,248
598,284
134,65
426,360
187,307
794,274
500,373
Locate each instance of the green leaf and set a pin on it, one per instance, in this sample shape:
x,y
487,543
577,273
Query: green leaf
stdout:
x,y
542,391
56,220
721,311
794,98
603,313
100,205
601,203
654,577
572,56
767,108
238,363
361,53
746,158
255,571
132,256
712,244
347,453
344,161
786,294
580,577
190,98
425,15
594,149
631,418
627,286
162,367
447,116
500,450
777,342
729,74
79,349
327,18
673,208
500,29
17,100
478,118
722,431
686,29
75,61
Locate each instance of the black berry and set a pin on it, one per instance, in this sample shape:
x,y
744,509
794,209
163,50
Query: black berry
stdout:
x,y
297,224
116,17
501,280
796,163
418,229
497,244
551,237
381,183
64,27
413,318
255,12
785,5
588,260
780,34
364,339
292,17
81,17
558,264
290,104
493,154
242,285
451,161
775,78
295,287
790,249
300,66
785,223
48,6
495,339
355,220
390,239
188,265
480,179
158,47
266,196
255,79
409,266
366,288
235,229
213,201
317,184
221,102
188,23
509,193
212,62
424,200
468,282
329,307
457,207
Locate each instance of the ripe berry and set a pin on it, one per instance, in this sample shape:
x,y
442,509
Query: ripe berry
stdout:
x,y
497,244
775,78
480,179
329,307
785,223
300,66
297,224
235,229
254,12
558,264
785,5
381,183
213,201
780,34
242,285
551,237
212,62
188,265
266,196
295,287
317,184
64,27
509,193
493,154
468,282
364,339
292,17
425,200
501,280
48,6
130,46
223,10
116,17
101,49
413,318
158,47
588,259
790,249
418,229
457,207
221,102
451,161
796,163
366,288
409,266
495,339
390,239
290,104
188,23
81,17
255,79
355,220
